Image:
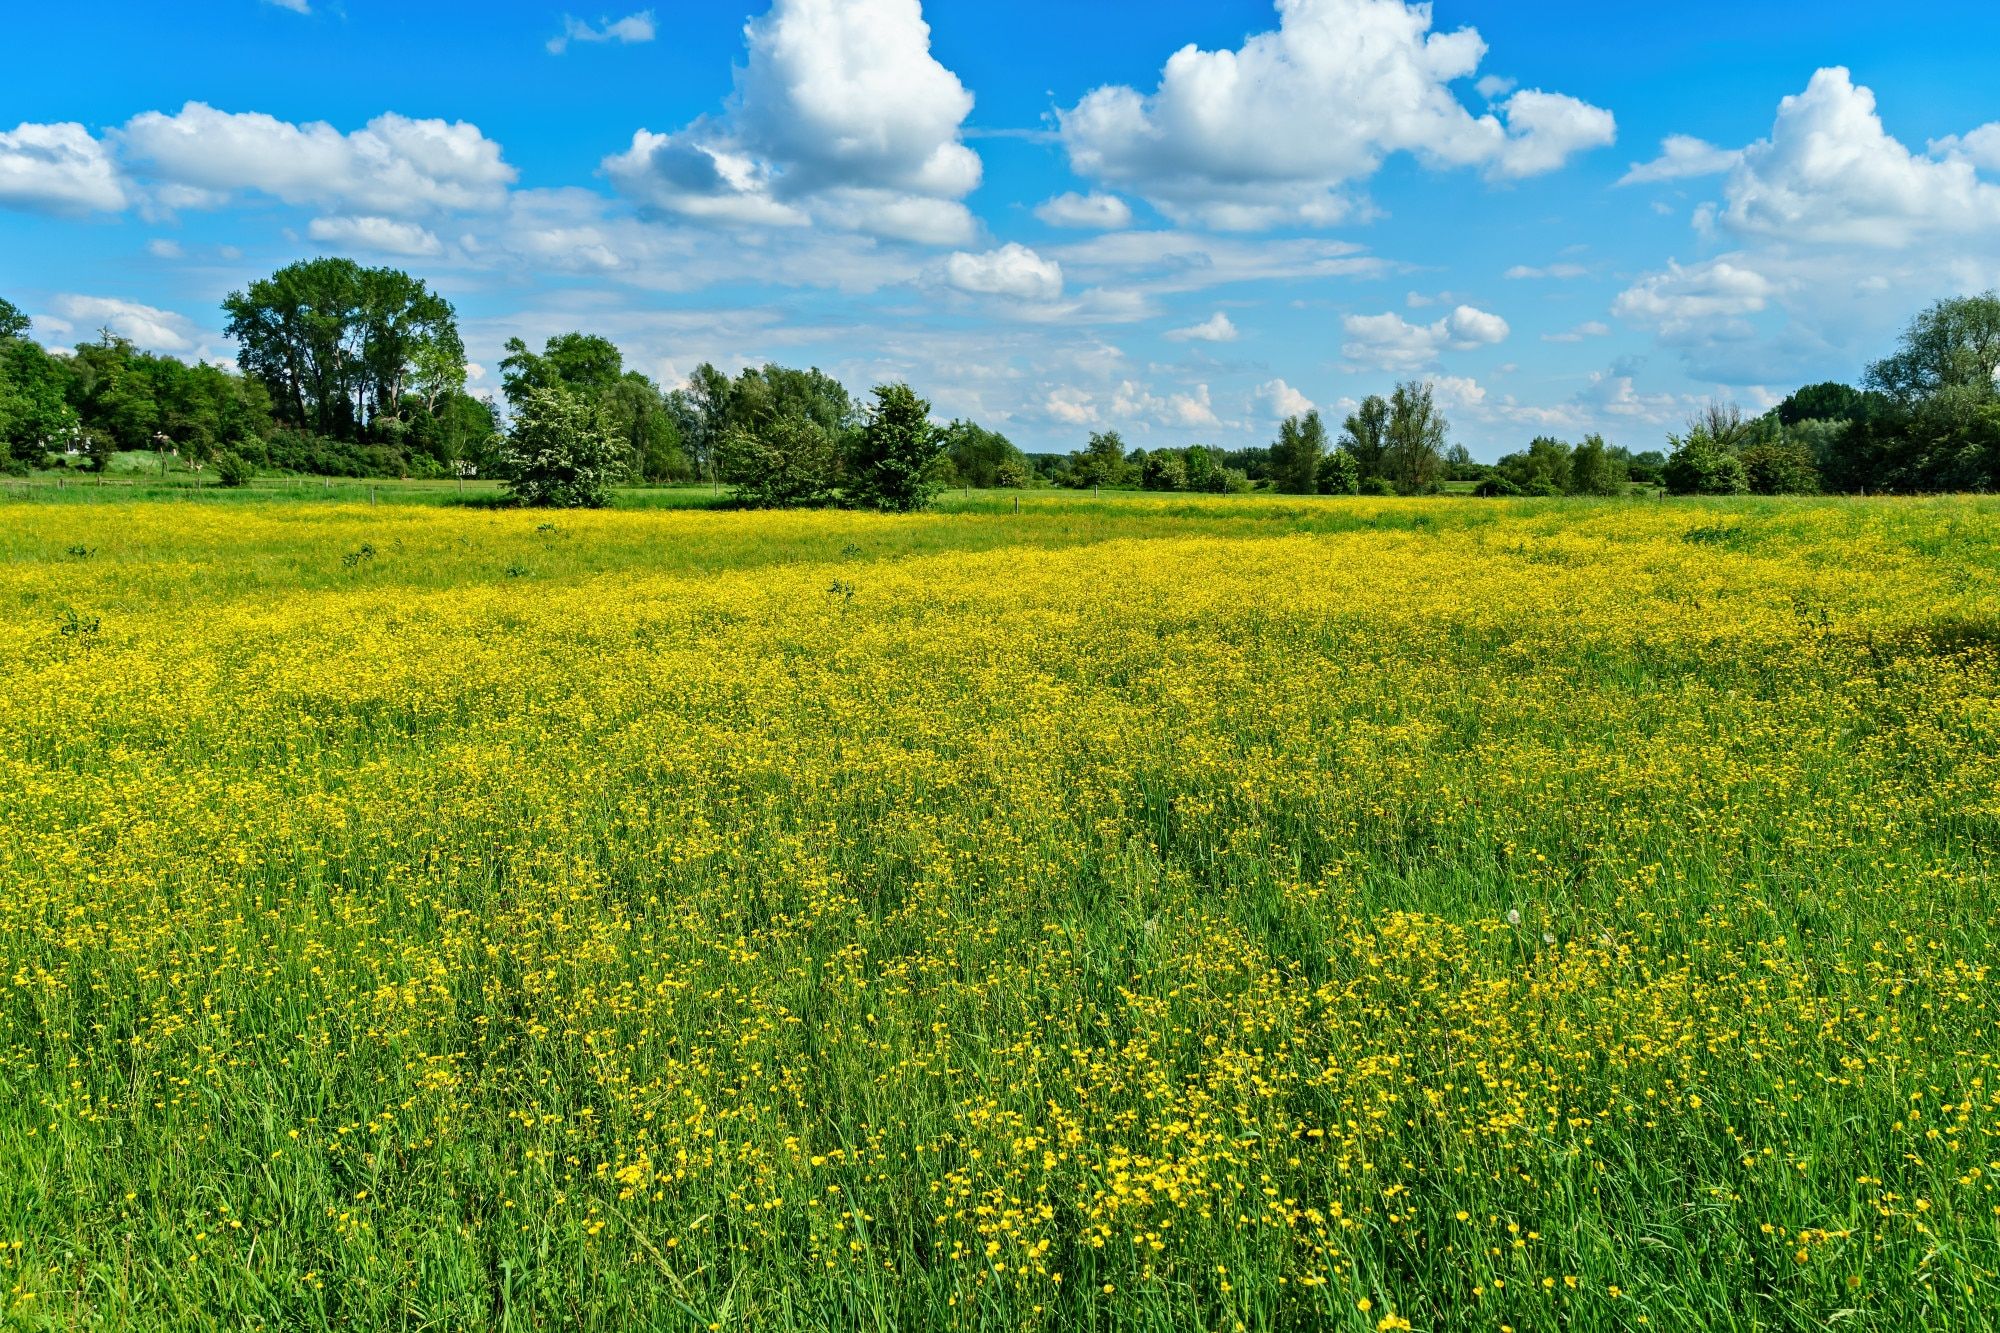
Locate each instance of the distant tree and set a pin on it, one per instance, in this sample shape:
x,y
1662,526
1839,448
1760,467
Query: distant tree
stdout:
x,y
1102,462
1954,344
1646,466
1203,467
233,469
13,324
1545,467
1164,470
1415,440
894,466
1339,474
1016,474
35,414
978,454
1595,470
559,454
1296,456
337,344
1365,434
701,409
1781,463
785,461
1701,465
1828,401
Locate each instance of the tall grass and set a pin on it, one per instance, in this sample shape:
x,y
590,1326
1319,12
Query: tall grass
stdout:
x,y
1139,913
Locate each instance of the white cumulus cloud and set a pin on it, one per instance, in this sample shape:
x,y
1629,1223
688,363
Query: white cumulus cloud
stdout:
x,y
1013,270
840,114
383,235
1099,211
152,329
1279,130
1390,342
1217,328
58,168
1682,156
1280,400
393,166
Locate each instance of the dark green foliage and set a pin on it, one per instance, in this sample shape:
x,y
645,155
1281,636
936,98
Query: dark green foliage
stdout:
x,y
1700,465
1164,470
1340,474
559,453
1414,445
1828,401
978,455
785,462
1953,345
1543,468
1495,486
1295,458
1102,462
338,346
35,415
894,464
1781,463
233,469
13,324
1365,435
1595,469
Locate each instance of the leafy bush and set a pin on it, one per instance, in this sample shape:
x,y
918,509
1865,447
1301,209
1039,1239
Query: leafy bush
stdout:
x,y
897,453
233,469
785,462
1495,487
1700,466
558,454
1340,474
1378,486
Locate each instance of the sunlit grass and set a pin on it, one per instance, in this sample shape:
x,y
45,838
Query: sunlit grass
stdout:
x,y
1140,912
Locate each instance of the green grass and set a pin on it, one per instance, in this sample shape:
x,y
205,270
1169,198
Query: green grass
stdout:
x,y
1117,912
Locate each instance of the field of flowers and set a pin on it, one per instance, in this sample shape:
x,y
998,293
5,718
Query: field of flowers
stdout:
x,y
1146,914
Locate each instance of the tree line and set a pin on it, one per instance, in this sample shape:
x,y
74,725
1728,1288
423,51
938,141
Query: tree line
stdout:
x,y
346,370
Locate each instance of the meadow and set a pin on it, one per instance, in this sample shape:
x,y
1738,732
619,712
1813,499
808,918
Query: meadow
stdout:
x,y
1142,913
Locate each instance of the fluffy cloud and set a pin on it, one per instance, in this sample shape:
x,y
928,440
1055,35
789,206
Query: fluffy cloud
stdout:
x,y
1390,342
628,31
841,113
1102,212
1215,329
1277,131
1697,300
296,6
57,169
153,329
1165,262
1279,400
1831,173
1980,147
1013,270
1132,402
394,166
1682,156
382,235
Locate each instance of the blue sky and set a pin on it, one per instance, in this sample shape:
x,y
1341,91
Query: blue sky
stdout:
x,y
1181,220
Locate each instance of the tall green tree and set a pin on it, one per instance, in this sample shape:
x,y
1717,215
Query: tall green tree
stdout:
x,y
1365,435
1954,344
894,465
1595,469
337,345
1414,443
13,324
1102,462
1295,458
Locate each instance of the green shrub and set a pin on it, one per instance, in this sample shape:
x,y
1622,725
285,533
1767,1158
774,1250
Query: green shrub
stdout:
x,y
233,469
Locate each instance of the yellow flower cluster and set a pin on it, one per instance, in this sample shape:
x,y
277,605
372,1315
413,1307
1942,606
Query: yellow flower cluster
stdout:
x,y
1145,913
